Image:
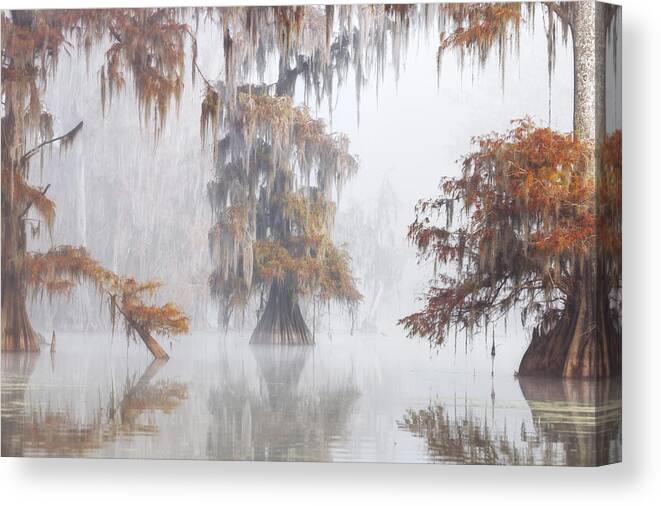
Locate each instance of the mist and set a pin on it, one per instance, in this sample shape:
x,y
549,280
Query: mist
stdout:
x,y
138,201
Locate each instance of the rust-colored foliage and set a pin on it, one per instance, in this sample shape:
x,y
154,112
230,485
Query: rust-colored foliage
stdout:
x,y
266,229
323,273
27,196
528,221
150,44
477,27
58,270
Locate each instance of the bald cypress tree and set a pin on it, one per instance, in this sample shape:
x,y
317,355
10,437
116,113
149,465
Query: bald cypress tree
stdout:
x,y
541,225
278,169
277,172
148,45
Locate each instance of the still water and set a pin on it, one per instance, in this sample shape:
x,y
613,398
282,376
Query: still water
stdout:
x,y
350,398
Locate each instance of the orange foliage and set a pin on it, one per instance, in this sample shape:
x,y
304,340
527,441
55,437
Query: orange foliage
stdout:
x,y
476,28
530,211
480,26
58,270
26,196
150,44
542,177
326,274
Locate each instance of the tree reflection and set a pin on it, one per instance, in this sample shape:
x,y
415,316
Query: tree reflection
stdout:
x,y
582,420
16,371
575,423
38,430
276,418
465,439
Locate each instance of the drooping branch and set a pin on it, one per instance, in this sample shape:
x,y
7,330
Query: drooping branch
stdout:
x,y
67,139
150,44
25,196
58,270
44,205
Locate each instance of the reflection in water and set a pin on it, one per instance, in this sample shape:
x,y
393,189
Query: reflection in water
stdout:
x,y
16,371
144,396
575,423
280,419
367,398
43,430
466,439
582,418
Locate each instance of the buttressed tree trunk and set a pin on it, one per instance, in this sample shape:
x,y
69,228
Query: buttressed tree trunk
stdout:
x,y
17,332
282,321
584,343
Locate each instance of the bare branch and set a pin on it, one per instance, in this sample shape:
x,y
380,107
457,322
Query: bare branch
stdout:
x,y
199,71
67,137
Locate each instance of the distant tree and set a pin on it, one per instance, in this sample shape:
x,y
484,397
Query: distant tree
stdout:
x,y
540,229
149,45
379,262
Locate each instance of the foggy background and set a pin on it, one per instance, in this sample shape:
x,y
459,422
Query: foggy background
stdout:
x,y
139,204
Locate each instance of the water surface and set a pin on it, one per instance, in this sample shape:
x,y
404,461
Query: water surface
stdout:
x,y
348,399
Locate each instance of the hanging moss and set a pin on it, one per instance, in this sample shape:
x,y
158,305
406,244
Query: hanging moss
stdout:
x,y
150,44
531,225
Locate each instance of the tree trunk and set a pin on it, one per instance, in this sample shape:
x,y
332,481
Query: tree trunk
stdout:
x,y
282,321
584,343
152,344
589,45
17,331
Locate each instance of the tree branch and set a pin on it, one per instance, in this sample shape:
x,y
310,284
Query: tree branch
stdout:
x,y
34,150
199,71
43,192
561,12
